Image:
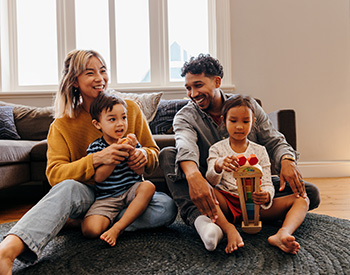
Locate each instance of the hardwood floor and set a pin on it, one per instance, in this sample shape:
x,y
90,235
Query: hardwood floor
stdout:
x,y
335,196
335,199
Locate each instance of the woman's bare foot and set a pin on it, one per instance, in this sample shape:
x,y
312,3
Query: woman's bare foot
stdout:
x,y
111,235
234,239
284,241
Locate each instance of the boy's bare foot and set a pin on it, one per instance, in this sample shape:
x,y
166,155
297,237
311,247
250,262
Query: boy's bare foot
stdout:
x,y
111,235
234,239
284,241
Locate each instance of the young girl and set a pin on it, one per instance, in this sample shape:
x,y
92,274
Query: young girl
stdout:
x,y
238,115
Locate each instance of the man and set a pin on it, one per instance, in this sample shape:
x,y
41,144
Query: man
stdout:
x,y
197,126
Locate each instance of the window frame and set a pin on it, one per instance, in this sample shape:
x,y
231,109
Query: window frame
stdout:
x,y
219,46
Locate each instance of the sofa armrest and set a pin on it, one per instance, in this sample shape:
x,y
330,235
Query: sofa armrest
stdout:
x,y
284,122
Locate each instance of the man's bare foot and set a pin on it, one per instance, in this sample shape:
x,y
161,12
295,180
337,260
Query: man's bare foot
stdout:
x,y
111,235
284,241
234,239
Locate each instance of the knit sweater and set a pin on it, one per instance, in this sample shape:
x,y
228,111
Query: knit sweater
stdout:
x,y
69,138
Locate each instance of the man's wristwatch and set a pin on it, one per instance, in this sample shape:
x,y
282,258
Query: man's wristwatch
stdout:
x,y
288,157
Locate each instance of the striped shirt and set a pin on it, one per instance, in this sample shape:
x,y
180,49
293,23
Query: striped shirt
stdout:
x,y
121,179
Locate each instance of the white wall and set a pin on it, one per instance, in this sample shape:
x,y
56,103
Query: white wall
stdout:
x,y
295,54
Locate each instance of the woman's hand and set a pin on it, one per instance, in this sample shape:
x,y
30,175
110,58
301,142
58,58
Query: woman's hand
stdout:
x,y
113,154
137,159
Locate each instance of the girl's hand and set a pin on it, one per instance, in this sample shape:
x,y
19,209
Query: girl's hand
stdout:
x,y
261,197
228,164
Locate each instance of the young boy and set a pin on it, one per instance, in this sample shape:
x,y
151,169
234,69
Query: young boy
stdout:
x,y
238,116
117,186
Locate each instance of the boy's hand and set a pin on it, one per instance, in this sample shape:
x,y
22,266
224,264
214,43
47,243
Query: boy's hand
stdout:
x,y
261,197
132,140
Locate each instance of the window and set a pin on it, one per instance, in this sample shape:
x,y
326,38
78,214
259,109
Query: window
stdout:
x,y
188,35
36,50
144,42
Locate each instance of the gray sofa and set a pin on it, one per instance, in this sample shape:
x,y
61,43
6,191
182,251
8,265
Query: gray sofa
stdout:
x,y
23,160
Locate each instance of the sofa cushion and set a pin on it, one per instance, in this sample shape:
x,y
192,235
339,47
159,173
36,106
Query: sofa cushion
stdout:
x,y
7,123
148,102
15,151
32,123
163,121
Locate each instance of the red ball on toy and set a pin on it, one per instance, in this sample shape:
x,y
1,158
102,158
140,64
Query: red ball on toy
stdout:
x,y
253,159
241,159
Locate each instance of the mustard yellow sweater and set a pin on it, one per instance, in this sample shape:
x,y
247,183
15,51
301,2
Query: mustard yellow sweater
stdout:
x,y
69,138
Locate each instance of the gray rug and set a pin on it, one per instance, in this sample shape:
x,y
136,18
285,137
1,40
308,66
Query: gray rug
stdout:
x,y
177,249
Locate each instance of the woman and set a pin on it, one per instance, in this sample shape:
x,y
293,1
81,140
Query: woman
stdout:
x,y
70,171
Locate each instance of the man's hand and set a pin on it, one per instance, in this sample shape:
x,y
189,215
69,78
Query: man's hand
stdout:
x,y
202,194
291,174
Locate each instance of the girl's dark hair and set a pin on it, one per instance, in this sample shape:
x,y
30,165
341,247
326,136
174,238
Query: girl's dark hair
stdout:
x,y
104,101
204,63
237,100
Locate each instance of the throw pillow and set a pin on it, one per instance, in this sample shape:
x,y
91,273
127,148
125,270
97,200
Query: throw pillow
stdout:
x,y
148,102
163,121
32,122
7,123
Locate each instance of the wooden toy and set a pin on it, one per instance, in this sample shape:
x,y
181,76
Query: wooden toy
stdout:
x,y
248,178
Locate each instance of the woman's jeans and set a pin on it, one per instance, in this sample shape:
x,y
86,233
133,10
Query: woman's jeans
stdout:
x,y
71,199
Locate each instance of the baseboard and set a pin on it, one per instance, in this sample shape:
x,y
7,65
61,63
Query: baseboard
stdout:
x,y
324,169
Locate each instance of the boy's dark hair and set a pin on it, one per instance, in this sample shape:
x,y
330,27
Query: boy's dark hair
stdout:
x,y
204,63
104,101
237,100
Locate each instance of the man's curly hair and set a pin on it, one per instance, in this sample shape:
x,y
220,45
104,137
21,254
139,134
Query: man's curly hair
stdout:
x,y
204,63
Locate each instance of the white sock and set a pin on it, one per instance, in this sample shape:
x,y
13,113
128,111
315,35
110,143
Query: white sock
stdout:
x,y
210,233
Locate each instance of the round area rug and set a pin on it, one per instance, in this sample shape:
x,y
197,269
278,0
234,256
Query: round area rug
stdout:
x,y
177,249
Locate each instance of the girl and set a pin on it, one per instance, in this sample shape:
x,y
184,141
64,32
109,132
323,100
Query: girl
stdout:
x,y
238,116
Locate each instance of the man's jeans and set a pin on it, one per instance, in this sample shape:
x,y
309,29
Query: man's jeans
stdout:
x,y
178,188
71,199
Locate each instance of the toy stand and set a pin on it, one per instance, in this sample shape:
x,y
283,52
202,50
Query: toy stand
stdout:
x,y
248,180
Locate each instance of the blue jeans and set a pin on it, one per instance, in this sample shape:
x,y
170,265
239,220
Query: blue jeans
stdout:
x,y
71,199
178,188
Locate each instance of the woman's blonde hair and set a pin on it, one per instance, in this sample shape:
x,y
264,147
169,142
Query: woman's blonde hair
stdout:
x,y
68,98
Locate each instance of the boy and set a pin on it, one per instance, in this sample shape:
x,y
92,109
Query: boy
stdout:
x,y
117,186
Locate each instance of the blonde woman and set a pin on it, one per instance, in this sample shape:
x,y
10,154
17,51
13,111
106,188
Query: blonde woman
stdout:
x,y
70,171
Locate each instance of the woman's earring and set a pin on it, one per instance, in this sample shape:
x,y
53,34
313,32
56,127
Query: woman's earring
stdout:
x,y
75,91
